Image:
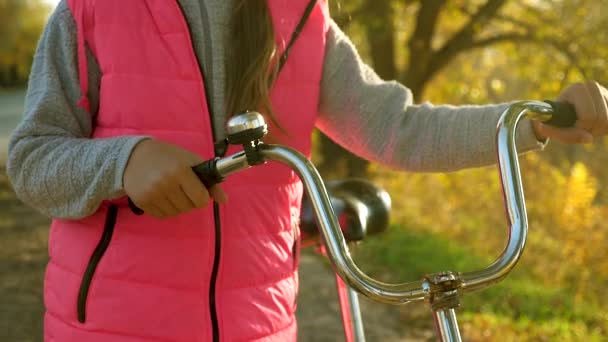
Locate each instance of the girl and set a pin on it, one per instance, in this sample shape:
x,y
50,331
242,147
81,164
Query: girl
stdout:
x,y
126,96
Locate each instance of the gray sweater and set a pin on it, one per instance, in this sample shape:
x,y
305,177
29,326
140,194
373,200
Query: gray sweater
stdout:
x,y
57,168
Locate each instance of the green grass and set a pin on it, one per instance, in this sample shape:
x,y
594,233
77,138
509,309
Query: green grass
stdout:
x,y
520,308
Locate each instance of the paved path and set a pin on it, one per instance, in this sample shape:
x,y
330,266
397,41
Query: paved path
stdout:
x,y
11,108
319,317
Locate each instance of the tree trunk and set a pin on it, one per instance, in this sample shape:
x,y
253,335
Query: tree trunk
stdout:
x,y
380,32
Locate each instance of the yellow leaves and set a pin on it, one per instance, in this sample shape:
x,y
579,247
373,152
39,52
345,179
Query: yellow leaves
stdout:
x,y
568,229
20,25
581,190
498,86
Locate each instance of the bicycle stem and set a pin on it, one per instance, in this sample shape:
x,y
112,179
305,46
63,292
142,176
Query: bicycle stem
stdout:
x,y
432,286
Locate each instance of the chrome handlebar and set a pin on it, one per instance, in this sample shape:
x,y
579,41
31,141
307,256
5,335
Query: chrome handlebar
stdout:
x,y
422,289
513,194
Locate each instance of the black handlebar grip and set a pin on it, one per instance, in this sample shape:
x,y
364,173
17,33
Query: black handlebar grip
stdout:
x,y
564,114
206,172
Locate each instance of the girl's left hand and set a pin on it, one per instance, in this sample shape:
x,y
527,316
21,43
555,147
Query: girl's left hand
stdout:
x,y
591,103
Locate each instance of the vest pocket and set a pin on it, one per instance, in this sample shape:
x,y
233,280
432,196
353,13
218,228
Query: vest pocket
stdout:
x,y
96,257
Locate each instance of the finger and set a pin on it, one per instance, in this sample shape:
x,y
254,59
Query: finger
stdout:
x,y
166,207
601,108
218,194
578,96
571,135
180,201
154,211
193,159
147,206
194,189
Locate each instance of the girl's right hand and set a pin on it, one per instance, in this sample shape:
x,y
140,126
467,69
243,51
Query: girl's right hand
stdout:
x,y
590,100
159,180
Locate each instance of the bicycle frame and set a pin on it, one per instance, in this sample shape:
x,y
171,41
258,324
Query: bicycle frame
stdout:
x,y
441,290
352,321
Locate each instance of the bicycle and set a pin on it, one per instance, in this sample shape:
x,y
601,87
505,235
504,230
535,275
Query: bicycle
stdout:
x,y
442,290
362,209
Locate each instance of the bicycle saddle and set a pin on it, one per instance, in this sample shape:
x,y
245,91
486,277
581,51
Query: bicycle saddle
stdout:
x,y
362,209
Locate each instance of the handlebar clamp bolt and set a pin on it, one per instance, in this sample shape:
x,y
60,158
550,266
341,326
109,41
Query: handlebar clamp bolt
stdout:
x,y
444,290
445,300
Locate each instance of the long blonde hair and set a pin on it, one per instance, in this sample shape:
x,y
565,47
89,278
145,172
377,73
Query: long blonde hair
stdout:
x,y
251,61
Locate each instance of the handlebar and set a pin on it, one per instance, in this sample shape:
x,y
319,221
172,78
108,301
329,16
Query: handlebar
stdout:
x,y
556,114
553,113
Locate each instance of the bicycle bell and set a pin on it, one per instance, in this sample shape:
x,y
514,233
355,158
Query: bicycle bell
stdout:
x,y
245,128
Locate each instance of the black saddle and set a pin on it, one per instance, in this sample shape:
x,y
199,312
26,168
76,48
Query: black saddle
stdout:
x,y
362,209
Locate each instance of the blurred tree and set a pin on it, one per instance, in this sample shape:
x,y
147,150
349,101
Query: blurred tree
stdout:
x,y
21,22
501,50
565,42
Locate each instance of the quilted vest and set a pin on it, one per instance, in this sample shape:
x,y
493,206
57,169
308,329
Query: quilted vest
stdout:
x,y
115,276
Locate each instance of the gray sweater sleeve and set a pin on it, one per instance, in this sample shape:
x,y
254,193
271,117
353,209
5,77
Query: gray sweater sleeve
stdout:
x,y
376,119
53,163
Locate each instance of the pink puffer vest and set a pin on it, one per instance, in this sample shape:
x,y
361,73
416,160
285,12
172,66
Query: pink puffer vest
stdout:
x,y
115,276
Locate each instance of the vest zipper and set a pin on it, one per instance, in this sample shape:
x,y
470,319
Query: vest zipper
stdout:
x,y
218,152
208,50
221,149
96,257
214,272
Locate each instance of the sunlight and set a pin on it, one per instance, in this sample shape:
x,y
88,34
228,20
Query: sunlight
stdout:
x,y
52,2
